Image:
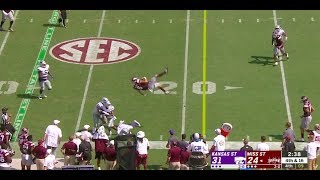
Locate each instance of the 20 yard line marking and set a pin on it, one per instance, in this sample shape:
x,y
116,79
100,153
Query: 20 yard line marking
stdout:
x,y
285,91
7,35
89,78
185,73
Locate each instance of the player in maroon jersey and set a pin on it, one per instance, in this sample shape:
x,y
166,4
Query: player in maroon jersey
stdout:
x,y
26,155
4,138
5,158
306,118
23,136
278,43
143,84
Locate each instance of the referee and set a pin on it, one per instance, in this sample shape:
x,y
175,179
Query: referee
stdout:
x,y
63,17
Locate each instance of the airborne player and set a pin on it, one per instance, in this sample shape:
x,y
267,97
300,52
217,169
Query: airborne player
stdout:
x,y
278,43
144,84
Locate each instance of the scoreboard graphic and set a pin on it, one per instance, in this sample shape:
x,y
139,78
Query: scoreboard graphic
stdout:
x,y
246,160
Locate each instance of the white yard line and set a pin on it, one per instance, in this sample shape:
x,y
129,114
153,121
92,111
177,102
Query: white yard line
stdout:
x,y
7,34
285,91
185,75
88,79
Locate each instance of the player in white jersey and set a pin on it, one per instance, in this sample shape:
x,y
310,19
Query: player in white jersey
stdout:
x,y
219,142
103,111
316,138
7,14
43,73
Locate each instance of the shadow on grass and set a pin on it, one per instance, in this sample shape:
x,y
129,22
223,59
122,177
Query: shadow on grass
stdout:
x,y
277,137
27,96
263,60
51,25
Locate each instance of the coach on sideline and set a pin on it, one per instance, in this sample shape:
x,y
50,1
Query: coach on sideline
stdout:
x,y
52,136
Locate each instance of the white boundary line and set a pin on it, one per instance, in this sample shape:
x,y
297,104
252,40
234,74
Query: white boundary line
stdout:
x,y
7,34
185,73
89,78
285,91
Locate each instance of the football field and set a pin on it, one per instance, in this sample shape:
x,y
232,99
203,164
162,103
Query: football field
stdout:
x,y
100,51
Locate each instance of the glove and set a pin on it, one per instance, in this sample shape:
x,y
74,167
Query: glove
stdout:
x,y
286,38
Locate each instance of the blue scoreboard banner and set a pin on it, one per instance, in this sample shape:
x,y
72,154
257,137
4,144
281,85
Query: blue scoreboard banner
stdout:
x,y
228,160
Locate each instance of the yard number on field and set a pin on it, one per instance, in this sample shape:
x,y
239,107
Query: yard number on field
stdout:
x,y
196,87
8,87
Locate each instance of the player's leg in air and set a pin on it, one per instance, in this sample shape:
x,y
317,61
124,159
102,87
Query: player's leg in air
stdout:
x,y
154,84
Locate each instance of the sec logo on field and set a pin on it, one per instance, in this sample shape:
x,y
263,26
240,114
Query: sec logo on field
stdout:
x,y
95,50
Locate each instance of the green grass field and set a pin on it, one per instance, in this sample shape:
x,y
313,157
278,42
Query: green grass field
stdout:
x,y
238,53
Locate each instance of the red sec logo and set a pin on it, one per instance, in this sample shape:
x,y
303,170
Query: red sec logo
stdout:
x,y
95,50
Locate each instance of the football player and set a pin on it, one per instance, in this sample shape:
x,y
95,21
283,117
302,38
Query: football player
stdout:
x,y
143,84
306,118
43,72
63,17
5,15
278,43
101,112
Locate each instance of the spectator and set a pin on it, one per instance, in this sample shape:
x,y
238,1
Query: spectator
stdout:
x,y
86,134
245,146
288,138
142,150
50,160
311,149
171,139
199,151
183,143
110,154
5,158
219,142
100,139
52,136
263,146
77,140
173,159
26,155
39,153
84,153
69,150
197,145
184,158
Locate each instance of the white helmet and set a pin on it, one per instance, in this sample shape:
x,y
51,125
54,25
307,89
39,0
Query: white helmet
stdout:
x,y
277,27
105,100
43,63
111,108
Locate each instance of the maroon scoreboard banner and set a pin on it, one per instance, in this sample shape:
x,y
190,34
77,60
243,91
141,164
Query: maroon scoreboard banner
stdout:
x,y
263,159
